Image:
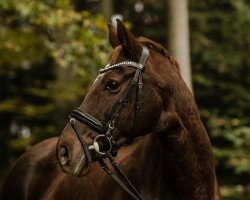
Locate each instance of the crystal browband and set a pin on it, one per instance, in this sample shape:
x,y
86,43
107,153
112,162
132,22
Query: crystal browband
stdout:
x,y
127,63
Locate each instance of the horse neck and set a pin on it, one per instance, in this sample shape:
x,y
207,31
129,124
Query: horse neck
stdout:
x,y
147,162
188,152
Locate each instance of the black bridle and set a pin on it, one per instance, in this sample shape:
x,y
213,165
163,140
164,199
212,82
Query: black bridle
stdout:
x,y
105,130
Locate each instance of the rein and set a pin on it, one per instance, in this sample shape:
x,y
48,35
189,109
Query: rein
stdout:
x,y
105,130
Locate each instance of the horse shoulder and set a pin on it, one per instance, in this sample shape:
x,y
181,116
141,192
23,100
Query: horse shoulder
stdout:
x,y
31,175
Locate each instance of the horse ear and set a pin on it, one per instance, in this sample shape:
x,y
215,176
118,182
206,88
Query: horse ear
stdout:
x,y
113,36
129,43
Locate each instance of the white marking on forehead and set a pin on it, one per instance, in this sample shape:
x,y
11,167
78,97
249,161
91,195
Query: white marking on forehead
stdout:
x,y
98,77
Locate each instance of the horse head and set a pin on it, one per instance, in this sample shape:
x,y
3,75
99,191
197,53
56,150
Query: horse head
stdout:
x,y
131,97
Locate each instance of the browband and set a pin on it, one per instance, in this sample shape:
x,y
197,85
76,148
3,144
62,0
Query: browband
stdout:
x,y
129,63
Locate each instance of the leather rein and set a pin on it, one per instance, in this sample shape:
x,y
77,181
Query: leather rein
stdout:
x,y
105,130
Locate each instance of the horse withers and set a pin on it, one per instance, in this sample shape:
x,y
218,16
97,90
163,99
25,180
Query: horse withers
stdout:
x,y
140,116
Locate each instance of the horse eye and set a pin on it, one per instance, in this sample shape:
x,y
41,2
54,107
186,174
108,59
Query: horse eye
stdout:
x,y
112,86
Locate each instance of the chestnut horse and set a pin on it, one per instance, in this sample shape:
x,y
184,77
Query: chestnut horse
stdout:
x,y
162,145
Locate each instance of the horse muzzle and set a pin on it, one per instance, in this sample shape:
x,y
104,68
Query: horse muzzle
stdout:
x,y
71,157
74,158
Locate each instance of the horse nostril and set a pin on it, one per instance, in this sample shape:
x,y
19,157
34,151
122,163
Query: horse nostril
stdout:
x,y
63,155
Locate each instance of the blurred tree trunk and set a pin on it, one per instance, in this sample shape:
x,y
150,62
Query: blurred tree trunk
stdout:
x,y
178,26
107,9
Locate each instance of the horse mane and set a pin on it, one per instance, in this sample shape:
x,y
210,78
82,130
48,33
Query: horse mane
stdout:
x,y
159,48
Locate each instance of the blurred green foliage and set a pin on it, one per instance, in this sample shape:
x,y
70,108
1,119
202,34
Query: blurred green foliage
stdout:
x,y
49,54
220,42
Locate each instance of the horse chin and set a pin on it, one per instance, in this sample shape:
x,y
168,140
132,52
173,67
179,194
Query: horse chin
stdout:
x,y
82,167
82,172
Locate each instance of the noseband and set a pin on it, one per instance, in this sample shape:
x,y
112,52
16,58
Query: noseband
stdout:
x,y
105,130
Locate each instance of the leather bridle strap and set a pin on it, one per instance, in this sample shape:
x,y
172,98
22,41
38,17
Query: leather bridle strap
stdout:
x,y
89,120
82,142
132,191
144,56
122,175
136,82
